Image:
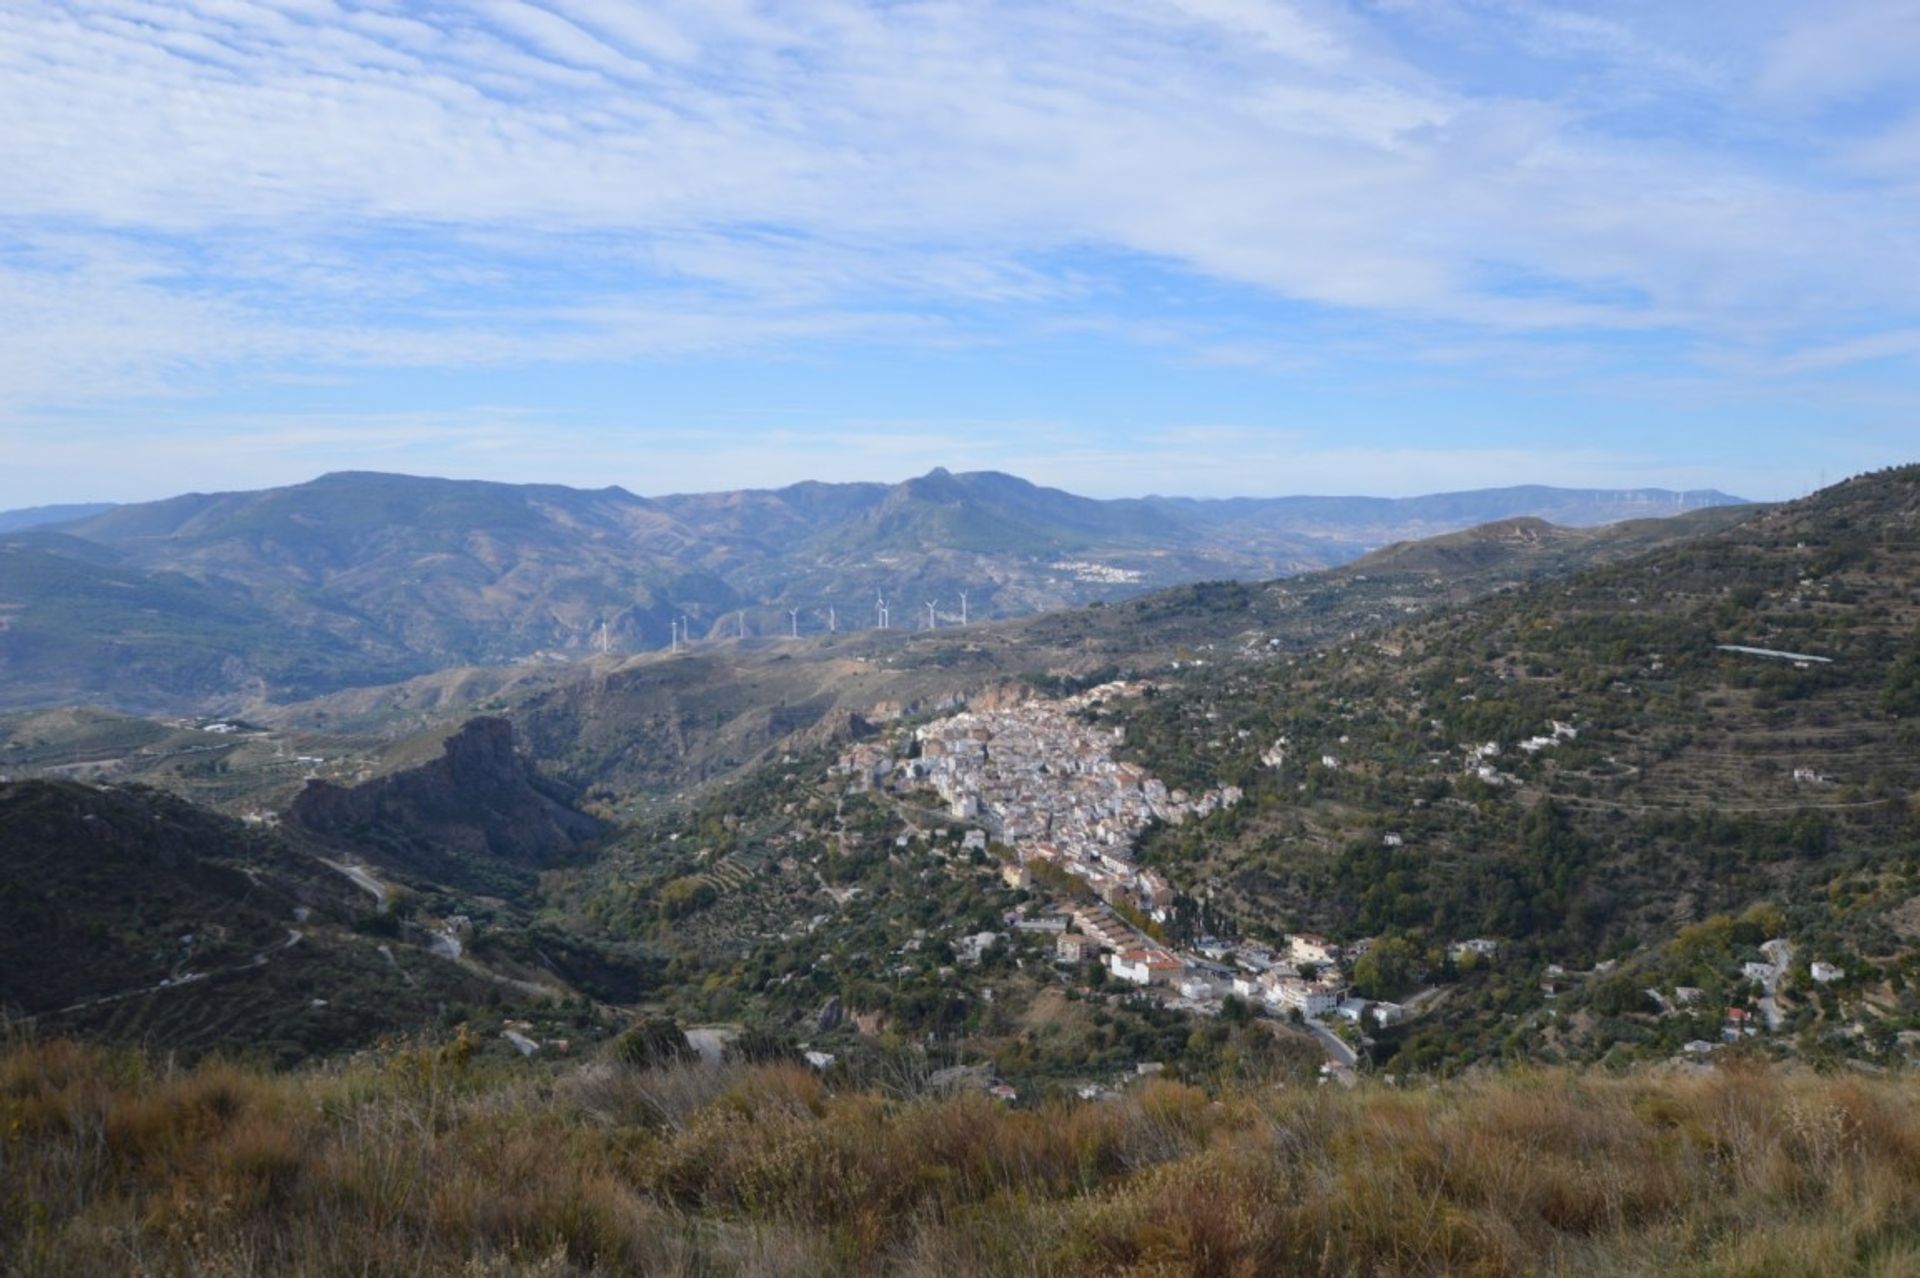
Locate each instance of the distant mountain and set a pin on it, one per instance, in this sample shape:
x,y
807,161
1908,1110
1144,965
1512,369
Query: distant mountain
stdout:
x,y
81,623
225,600
1374,521
42,516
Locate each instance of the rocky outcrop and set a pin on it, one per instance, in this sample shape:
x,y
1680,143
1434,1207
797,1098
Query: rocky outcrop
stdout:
x,y
474,817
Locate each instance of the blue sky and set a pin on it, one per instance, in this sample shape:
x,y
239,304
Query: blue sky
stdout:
x,y
1182,246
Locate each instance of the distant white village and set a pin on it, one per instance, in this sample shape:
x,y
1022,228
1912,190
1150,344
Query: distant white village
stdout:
x,y
1038,783
1041,781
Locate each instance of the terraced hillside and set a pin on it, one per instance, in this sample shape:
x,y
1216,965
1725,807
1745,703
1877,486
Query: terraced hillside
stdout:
x,y
1413,783
135,917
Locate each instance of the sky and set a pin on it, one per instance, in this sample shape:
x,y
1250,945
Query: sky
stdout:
x,y
1205,247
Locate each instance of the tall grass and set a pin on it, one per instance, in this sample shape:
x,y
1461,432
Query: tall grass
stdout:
x,y
422,1162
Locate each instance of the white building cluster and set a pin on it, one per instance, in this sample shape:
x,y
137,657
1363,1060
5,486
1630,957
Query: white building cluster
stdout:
x,y
1045,783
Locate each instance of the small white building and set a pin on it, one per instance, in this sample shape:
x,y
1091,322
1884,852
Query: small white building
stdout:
x,y
1146,966
1309,998
1824,972
1199,988
969,950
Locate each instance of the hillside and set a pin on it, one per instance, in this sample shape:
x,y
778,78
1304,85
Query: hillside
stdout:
x,y
477,816
420,1161
43,516
79,623
658,723
1695,801
1576,771
230,602
135,917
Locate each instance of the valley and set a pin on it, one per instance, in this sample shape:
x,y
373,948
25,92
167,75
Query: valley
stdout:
x,y
1515,793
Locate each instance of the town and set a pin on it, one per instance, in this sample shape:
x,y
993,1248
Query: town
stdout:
x,y
1040,783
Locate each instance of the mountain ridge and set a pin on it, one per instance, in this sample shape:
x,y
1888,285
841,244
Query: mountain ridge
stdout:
x,y
362,577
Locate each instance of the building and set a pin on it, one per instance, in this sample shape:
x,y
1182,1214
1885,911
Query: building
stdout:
x,y
1144,966
1306,947
969,950
1199,987
1825,973
1045,924
1016,875
1309,998
1075,947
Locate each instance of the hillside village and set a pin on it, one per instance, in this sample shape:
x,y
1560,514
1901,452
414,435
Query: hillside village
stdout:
x,y
1039,786
1045,789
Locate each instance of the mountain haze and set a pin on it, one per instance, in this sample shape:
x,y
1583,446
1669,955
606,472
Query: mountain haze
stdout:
x,y
215,601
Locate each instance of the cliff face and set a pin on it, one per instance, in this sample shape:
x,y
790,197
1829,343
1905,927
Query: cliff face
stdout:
x,y
478,816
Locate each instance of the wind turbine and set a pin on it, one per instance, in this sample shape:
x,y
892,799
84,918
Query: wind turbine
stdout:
x,y
743,623
793,618
932,619
833,622
963,607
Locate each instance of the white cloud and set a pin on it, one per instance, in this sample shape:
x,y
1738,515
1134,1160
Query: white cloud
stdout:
x,y
254,182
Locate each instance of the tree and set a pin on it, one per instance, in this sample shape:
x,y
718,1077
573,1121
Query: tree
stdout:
x,y
1386,968
652,1041
686,896
1902,696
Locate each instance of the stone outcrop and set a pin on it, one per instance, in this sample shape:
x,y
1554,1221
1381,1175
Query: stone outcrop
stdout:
x,y
479,807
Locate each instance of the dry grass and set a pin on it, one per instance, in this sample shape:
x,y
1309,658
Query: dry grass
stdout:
x,y
421,1163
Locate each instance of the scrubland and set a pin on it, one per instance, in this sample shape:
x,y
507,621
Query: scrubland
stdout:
x,y
425,1160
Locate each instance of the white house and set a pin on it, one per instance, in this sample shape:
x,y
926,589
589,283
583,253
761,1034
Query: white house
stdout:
x,y
1199,988
1825,973
1146,966
1310,998
969,950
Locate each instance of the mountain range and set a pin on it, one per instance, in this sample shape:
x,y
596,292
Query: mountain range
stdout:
x,y
1576,746
219,601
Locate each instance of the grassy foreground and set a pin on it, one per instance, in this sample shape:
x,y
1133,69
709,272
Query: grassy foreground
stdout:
x,y
421,1161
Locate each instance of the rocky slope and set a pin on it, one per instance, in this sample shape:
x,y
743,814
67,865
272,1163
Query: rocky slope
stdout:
x,y
479,815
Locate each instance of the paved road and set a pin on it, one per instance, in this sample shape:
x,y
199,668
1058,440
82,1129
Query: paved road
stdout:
x,y
361,879
1779,952
175,982
1337,1051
